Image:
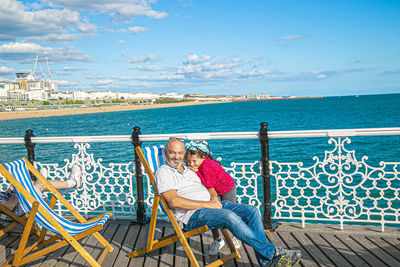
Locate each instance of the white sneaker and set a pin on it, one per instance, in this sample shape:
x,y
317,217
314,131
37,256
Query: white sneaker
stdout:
x,y
236,242
76,174
216,246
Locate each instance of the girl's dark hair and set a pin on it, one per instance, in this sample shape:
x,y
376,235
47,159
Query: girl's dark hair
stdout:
x,y
200,154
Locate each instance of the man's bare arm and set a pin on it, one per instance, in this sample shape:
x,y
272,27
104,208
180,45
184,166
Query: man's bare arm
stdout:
x,y
174,201
213,194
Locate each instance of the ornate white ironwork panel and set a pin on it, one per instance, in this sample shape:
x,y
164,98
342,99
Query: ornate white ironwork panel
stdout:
x,y
249,191
338,189
104,187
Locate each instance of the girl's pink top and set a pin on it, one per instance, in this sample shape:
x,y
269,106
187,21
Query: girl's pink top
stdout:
x,y
212,175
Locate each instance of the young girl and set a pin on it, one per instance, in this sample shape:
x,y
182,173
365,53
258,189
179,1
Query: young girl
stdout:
x,y
212,175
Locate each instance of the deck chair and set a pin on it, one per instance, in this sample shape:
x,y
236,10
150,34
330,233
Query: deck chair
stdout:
x,y
14,220
152,158
65,232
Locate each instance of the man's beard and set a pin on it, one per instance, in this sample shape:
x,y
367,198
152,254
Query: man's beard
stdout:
x,y
174,165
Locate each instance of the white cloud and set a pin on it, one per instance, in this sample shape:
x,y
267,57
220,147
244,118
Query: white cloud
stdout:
x,y
66,68
162,78
134,30
17,21
123,78
148,68
291,37
195,59
121,41
208,66
54,38
26,52
64,82
104,82
117,9
143,59
6,70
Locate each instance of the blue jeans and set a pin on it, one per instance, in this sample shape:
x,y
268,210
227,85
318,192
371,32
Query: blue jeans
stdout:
x,y
244,221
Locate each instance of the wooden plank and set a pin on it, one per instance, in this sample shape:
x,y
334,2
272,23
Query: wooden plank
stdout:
x,y
127,246
273,238
5,243
181,258
312,252
387,247
394,241
345,251
140,243
91,245
49,259
328,250
117,243
360,250
167,253
377,251
153,256
308,249
251,255
71,253
195,244
98,247
293,243
244,260
13,246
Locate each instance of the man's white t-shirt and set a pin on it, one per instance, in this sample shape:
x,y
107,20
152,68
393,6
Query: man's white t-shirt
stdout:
x,y
187,185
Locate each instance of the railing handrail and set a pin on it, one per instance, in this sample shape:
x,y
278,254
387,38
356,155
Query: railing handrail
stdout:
x,y
209,136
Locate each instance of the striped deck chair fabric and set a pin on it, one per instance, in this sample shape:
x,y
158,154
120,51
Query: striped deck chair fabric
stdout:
x,y
37,210
155,156
19,170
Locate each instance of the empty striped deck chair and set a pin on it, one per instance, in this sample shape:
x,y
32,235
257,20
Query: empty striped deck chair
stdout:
x,y
152,158
66,232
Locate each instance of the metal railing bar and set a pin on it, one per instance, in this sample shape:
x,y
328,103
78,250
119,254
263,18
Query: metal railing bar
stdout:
x,y
209,136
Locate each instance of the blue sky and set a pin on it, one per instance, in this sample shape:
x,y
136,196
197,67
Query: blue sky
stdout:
x,y
300,48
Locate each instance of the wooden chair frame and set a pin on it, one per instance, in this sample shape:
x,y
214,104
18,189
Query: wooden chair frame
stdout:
x,y
16,220
44,246
179,235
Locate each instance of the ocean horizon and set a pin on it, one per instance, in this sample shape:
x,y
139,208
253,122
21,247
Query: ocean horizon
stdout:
x,y
341,112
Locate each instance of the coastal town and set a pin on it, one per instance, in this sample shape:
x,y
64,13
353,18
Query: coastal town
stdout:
x,y
27,92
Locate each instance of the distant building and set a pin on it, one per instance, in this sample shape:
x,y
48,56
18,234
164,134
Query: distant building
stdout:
x,y
26,87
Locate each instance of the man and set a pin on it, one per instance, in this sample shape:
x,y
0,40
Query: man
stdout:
x,y
194,205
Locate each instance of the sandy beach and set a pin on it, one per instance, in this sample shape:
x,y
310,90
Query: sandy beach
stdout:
x,y
23,114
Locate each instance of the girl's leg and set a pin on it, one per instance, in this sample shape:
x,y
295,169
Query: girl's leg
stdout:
x,y
215,233
230,196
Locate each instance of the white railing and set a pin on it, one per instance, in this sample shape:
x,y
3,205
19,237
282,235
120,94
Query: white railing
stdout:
x,y
339,188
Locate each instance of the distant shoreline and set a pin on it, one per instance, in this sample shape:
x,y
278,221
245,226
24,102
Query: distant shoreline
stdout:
x,y
278,98
41,113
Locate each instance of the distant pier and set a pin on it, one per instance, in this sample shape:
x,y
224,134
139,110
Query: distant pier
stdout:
x,y
276,98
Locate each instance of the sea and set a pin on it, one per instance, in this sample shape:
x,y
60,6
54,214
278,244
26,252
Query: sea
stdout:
x,y
341,112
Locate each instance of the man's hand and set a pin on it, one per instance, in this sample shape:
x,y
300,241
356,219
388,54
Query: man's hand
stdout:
x,y
194,169
215,204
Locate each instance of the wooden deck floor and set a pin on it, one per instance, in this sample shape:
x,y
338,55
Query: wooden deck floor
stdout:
x,y
321,246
